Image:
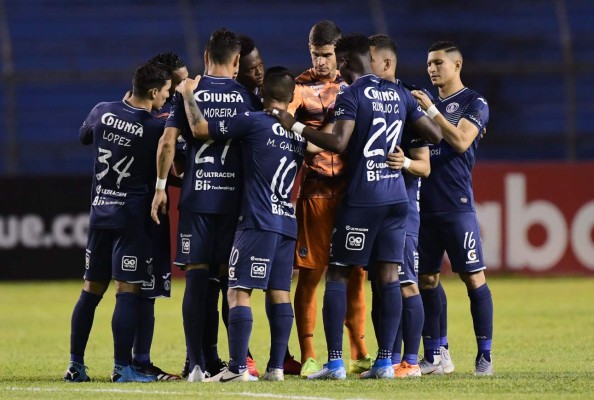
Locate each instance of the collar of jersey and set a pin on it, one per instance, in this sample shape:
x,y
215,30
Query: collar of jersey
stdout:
x,y
132,107
455,94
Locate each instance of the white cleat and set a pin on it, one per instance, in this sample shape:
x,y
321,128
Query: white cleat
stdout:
x,y
428,368
229,376
446,360
196,375
483,367
274,374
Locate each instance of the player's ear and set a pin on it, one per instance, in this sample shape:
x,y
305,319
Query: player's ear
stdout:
x,y
458,65
236,62
153,93
205,61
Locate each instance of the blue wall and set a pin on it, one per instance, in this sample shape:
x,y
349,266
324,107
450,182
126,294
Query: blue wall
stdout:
x,y
69,55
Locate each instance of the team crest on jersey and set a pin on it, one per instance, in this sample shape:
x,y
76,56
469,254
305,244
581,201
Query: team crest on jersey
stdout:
x,y
129,263
452,107
303,252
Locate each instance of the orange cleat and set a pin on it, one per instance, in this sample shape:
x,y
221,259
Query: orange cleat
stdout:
x,y
251,366
406,370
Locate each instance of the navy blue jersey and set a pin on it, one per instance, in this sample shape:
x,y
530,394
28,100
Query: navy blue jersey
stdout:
x,y
449,187
212,175
410,140
379,108
272,157
125,139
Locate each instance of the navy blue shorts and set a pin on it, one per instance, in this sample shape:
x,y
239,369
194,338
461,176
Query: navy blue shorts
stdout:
x,y
408,272
261,260
457,234
122,254
362,234
160,282
204,238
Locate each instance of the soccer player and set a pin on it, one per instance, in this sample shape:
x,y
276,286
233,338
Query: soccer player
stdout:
x,y
124,135
369,223
448,217
159,284
211,188
322,187
251,66
413,157
264,243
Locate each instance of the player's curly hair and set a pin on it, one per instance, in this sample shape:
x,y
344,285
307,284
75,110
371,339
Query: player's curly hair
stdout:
x,y
383,42
223,45
150,76
279,84
324,33
171,60
247,45
355,43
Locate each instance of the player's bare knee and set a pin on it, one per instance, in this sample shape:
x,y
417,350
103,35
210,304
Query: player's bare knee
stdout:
x,y
473,280
428,281
278,296
127,287
386,273
337,273
95,287
238,297
190,267
409,289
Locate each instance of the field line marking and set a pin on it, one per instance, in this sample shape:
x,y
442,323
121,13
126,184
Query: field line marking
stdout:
x,y
163,392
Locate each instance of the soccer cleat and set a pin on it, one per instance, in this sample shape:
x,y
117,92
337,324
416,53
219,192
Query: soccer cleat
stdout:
x,y
381,369
196,375
334,370
291,366
395,367
123,374
214,367
406,370
309,367
227,375
251,367
431,368
483,367
186,370
151,369
361,365
76,372
446,360
274,374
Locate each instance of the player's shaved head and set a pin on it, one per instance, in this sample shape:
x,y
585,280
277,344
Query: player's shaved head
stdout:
x,y
383,42
150,76
279,84
324,33
222,46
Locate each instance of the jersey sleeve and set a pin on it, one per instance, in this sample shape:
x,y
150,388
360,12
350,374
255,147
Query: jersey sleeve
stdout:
x,y
413,109
177,116
345,107
477,113
85,133
240,125
297,99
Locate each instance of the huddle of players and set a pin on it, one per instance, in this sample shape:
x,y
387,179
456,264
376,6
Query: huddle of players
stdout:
x,y
237,220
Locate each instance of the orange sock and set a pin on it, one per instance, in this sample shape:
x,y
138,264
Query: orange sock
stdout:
x,y
306,309
356,313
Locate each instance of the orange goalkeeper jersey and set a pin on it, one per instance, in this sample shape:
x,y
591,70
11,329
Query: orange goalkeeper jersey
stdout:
x,y
322,173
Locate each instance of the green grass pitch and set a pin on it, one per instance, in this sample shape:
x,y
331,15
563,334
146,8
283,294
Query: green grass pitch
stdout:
x,y
543,348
